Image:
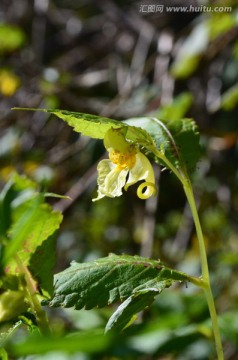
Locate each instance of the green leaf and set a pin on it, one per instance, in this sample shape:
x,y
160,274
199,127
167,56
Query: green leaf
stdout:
x,y
28,224
4,336
142,297
21,228
32,240
87,124
8,194
179,139
6,197
44,223
41,265
97,126
89,341
113,278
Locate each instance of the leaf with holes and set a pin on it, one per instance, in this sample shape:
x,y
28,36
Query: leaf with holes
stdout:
x,y
178,139
97,126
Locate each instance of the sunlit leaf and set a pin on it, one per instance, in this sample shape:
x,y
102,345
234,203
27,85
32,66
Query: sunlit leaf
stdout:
x,y
179,138
97,126
113,278
28,224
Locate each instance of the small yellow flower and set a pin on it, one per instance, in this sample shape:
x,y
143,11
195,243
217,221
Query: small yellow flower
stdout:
x,y
126,166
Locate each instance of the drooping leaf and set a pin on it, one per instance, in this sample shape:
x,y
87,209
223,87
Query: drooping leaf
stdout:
x,y
110,279
41,265
142,297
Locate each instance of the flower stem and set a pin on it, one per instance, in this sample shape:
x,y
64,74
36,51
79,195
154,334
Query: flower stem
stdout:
x,y
204,281
31,293
205,271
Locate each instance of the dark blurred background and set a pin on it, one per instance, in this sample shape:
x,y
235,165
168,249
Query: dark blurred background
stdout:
x,y
125,59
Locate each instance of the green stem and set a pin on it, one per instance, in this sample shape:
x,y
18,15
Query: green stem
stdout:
x,y
40,315
179,175
204,281
205,271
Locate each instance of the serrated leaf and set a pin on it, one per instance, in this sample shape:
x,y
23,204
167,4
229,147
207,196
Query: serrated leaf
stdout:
x,y
34,223
87,124
10,191
178,138
27,225
109,279
142,297
5,335
97,126
21,228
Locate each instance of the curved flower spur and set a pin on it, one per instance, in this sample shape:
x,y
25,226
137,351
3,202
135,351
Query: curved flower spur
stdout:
x,y
126,166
